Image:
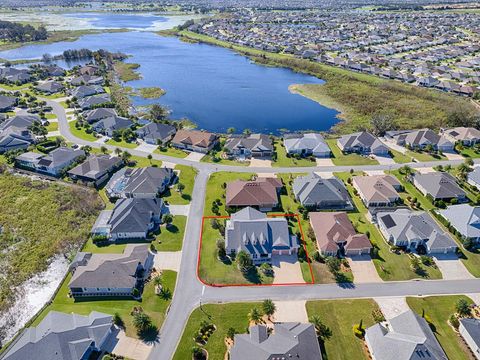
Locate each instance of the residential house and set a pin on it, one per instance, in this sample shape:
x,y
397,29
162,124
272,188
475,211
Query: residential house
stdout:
x,y
465,219
20,121
7,103
60,336
439,185
89,69
473,177
194,140
155,133
130,219
15,75
420,139
94,115
468,136
261,193
87,80
108,125
106,275
259,236
253,145
470,330
335,235
94,101
377,190
54,70
52,163
287,340
309,144
83,91
146,182
14,138
412,229
315,192
404,337
50,87
96,169
362,143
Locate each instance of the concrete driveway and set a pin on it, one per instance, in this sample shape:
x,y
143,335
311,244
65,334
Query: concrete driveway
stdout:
x,y
121,344
384,159
291,311
179,209
287,269
363,269
392,306
452,267
324,162
260,163
195,156
168,260
146,148
374,172
393,146
325,174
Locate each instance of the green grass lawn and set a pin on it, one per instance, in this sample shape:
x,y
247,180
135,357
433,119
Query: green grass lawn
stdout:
x,y
155,306
284,161
340,316
171,151
186,177
52,126
469,153
50,116
64,104
122,144
171,237
223,316
209,159
400,158
439,309
340,158
390,266
141,161
80,133
424,156
411,190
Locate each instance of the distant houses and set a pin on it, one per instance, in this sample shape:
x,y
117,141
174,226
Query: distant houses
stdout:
x,y
53,163
50,87
105,275
362,143
318,193
261,193
108,125
259,236
309,144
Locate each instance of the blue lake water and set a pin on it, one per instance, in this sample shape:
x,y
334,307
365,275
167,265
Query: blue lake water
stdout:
x,y
115,20
214,87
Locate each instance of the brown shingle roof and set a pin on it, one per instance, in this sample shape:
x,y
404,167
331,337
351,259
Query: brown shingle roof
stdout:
x,y
194,137
260,192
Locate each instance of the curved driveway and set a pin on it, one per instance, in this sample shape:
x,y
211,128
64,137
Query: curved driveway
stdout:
x,y
190,292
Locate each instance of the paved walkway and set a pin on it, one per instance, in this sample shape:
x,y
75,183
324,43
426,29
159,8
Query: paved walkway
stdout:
x,y
287,269
291,311
194,156
168,260
168,164
392,306
324,162
452,267
475,297
122,345
179,209
147,148
363,269
102,140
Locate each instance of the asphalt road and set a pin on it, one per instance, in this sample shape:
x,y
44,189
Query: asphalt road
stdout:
x,y
190,292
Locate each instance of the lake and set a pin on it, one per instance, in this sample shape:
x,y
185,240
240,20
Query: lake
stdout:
x,y
212,86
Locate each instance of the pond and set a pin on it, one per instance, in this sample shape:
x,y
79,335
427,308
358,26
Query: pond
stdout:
x,y
212,86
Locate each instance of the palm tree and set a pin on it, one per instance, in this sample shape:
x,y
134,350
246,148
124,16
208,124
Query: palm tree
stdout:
x,y
141,321
118,151
149,157
254,315
323,332
126,156
103,149
157,281
268,307
180,187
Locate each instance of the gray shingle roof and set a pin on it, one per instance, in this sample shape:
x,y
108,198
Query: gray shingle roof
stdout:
x,y
360,139
253,142
19,121
156,131
60,156
134,214
464,218
308,142
60,336
472,327
440,185
96,166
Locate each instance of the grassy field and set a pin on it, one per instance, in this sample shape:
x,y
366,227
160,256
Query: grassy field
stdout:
x,y
284,161
39,220
358,96
340,316
439,309
186,177
151,92
171,237
390,266
52,126
80,133
223,316
127,71
339,158
154,305
400,158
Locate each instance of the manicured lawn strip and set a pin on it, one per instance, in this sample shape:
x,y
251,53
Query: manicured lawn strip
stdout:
x,y
208,159
340,316
171,237
284,161
80,133
50,116
108,204
390,266
103,249
223,316
52,126
171,151
424,157
63,104
400,158
215,189
141,161
214,271
152,304
186,177
413,191
439,309
122,143
469,152
340,158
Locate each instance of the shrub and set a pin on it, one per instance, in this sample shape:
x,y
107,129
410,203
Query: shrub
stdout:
x,y
454,321
358,331
463,308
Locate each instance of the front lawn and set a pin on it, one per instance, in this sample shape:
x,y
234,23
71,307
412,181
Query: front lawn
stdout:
x,y
171,151
171,237
439,309
400,158
141,161
155,306
469,152
223,316
423,156
285,161
80,133
339,158
411,190
186,177
340,316
122,144
52,126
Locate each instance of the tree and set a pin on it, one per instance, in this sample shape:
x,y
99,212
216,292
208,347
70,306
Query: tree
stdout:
x,y
222,253
254,315
461,116
118,151
149,157
141,321
158,113
117,320
167,219
157,281
231,332
268,307
126,156
463,308
333,264
231,130
382,123
415,264
244,262
180,187
323,331
103,149
87,149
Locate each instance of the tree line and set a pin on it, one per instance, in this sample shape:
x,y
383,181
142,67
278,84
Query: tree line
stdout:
x,y
16,32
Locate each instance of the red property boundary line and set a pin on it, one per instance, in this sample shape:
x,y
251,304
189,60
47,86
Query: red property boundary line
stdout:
x,y
239,285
